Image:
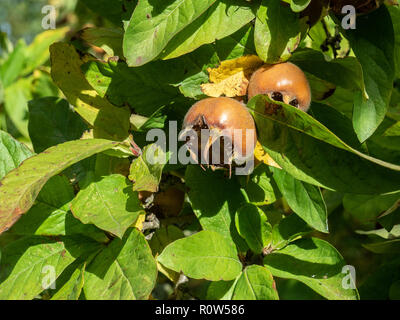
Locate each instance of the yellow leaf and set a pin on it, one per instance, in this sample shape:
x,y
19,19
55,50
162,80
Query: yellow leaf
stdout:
x,y
247,64
233,86
261,156
231,78
139,222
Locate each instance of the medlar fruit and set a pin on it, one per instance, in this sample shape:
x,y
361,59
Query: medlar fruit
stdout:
x,y
284,82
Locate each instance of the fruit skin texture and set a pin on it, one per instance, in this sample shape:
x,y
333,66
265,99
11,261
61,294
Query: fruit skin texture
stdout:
x,y
284,78
222,113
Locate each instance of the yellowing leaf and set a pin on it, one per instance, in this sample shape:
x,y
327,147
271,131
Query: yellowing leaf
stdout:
x,y
234,86
248,64
261,156
139,221
231,78
108,121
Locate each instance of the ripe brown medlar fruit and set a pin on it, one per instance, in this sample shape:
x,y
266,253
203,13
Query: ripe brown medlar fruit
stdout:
x,y
284,82
220,125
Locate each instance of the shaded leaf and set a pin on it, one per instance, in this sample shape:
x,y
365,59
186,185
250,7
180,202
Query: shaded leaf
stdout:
x,y
373,44
287,230
125,270
51,122
304,199
145,171
135,86
299,5
108,203
215,200
204,255
315,263
110,40
72,289
252,224
12,153
50,215
278,31
255,283
304,148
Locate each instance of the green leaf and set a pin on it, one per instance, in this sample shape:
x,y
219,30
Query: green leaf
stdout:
x,y
12,153
365,209
388,246
110,40
299,5
305,149
255,283
373,45
395,14
42,85
12,67
20,187
113,11
315,263
287,230
237,44
153,25
219,290
219,21
377,285
163,237
26,264
204,255
16,97
252,224
125,270
145,171
107,120
135,86
37,53
109,203
215,200
160,239
304,199
51,122
50,215
278,31
72,289
344,72
260,188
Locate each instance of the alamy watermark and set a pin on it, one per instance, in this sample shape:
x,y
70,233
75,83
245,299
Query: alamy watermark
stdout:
x,y
349,280
349,20
49,278
49,20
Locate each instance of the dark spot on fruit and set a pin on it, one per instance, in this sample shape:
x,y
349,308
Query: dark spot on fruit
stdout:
x,y
277,96
294,103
